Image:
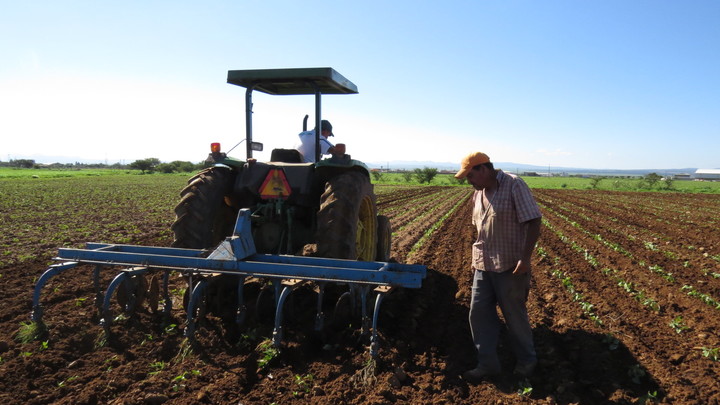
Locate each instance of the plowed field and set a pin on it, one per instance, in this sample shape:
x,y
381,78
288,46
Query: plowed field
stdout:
x,y
625,307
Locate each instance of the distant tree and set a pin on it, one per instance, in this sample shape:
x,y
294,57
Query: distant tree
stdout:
x,y
145,165
652,179
669,183
185,166
165,168
377,175
595,181
425,175
407,176
24,163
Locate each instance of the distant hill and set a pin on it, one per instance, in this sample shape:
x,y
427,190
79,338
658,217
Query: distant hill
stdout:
x,y
520,168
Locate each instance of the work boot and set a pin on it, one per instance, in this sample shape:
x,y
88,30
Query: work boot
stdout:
x,y
479,373
524,370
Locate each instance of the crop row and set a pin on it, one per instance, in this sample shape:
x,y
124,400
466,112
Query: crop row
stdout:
x,y
42,214
608,268
660,258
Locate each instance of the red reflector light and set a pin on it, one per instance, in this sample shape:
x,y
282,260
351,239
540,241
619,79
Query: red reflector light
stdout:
x,y
215,147
275,185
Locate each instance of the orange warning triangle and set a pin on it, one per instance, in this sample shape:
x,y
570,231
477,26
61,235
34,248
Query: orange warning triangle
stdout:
x,y
275,185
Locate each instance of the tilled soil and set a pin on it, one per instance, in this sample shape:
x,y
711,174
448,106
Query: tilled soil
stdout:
x,y
623,307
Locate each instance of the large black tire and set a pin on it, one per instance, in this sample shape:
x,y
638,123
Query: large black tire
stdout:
x,y
203,216
347,218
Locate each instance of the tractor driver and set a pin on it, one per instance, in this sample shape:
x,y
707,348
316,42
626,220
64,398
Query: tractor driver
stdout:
x,y
307,143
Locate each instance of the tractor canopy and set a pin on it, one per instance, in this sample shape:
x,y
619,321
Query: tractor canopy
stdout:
x,y
295,81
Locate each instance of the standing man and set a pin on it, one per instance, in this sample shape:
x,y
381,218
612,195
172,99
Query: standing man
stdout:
x,y
507,219
307,142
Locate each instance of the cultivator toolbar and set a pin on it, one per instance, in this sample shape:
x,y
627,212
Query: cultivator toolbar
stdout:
x,y
236,256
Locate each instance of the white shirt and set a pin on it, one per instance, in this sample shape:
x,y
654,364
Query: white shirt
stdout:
x,y
307,145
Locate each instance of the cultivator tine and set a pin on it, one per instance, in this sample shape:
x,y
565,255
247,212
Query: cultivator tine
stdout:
x,y
289,286
55,269
153,295
278,331
365,320
124,277
343,308
374,343
99,296
241,312
260,302
132,293
167,304
320,316
195,297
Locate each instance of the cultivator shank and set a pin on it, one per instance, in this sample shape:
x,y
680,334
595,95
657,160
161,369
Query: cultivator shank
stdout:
x,y
235,256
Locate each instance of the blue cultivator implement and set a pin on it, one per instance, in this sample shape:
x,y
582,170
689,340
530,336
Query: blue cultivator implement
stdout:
x,y
235,256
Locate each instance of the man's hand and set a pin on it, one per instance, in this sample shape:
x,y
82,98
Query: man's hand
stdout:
x,y
338,149
523,266
531,237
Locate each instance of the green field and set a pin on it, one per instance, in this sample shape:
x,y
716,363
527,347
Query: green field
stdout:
x,y
442,179
572,183
623,184
12,172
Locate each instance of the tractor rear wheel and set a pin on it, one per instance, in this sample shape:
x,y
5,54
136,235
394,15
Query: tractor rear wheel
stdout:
x,y
204,217
384,232
347,219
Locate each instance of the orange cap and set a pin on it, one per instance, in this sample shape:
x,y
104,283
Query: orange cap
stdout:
x,y
470,161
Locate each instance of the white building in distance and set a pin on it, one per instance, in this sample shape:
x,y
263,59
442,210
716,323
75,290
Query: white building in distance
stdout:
x,y
707,174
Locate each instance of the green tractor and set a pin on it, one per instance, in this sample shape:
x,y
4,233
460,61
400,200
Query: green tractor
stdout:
x,y
324,209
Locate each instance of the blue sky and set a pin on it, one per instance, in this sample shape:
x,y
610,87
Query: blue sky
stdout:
x,y
611,84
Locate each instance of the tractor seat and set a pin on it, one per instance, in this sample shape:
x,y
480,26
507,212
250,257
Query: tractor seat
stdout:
x,y
286,156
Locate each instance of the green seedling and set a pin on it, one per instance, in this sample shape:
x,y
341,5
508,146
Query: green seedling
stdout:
x,y
111,359
650,397
157,367
304,383
268,353
101,339
171,329
678,325
185,374
30,331
185,351
181,378
525,389
69,379
713,353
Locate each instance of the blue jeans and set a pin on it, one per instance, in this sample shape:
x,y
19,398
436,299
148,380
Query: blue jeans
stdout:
x,y
510,292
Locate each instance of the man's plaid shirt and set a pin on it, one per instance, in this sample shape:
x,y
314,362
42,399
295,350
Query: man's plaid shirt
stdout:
x,y
502,225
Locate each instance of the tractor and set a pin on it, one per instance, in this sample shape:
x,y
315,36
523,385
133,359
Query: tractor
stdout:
x,y
325,209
